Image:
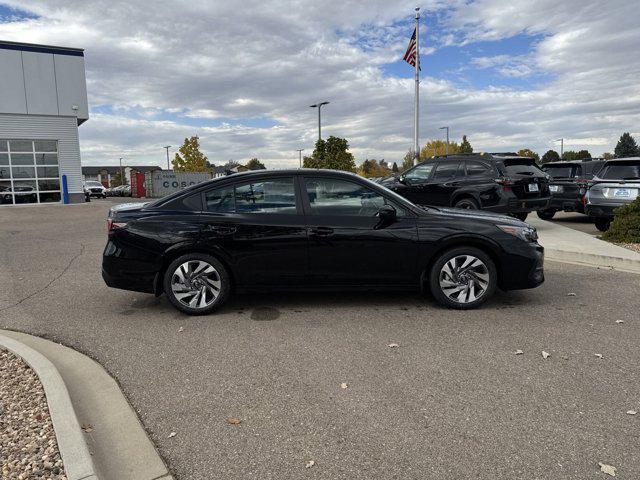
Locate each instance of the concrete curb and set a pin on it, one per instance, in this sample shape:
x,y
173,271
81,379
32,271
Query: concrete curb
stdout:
x,y
593,260
73,449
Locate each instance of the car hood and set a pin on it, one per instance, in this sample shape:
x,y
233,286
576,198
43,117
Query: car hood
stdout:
x,y
480,215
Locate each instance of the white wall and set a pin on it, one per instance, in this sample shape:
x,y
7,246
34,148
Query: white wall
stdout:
x,y
62,129
42,84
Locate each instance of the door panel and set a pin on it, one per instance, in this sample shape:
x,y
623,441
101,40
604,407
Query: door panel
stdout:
x,y
348,244
259,228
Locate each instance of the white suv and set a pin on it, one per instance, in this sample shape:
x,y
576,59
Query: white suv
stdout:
x,y
94,189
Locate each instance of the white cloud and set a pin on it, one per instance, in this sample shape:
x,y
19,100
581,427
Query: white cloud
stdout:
x,y
271,60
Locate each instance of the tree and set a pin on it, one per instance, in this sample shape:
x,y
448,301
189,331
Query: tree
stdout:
x,y
550,156
607,155
438,147
371,168
525,152
190,158
231,164
116,180
255,164
332,153
584,154
465,146
407,161
394,168
626,147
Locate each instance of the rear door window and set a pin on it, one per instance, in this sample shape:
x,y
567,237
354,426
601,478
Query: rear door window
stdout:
x,y
262,196
445,171
478,169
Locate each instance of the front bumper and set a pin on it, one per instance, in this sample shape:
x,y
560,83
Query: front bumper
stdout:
x,y
522,267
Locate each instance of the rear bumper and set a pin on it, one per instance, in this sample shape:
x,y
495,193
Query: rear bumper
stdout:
x,y
126,273
566,204
601,211
520,205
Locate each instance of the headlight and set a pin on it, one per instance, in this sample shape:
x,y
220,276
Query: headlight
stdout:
x,y
528,234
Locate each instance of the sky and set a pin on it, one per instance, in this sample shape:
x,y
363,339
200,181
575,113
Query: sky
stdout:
x,y
510,75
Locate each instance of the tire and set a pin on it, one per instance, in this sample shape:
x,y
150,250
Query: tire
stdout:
x,y
450,290
602,224
546,214
467,203
188,297
522,216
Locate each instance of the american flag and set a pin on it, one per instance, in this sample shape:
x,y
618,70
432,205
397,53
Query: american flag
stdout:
x,y
410,55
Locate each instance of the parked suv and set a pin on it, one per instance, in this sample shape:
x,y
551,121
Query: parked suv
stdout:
x,y
498,182
568,185
95,189
312,229
615,185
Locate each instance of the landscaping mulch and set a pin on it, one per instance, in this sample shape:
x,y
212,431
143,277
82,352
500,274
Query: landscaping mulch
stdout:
x,y
28,446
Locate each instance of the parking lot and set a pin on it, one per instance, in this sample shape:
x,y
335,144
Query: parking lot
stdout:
x,y
452,400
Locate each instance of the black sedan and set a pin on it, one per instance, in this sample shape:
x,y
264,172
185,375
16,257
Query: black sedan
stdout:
x,y
312,229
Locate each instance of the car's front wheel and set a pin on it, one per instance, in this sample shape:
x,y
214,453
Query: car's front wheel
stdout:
x,y
196,283
463,278
546,214
602,224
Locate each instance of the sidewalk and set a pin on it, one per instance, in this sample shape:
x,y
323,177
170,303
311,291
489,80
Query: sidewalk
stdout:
x,y
119,447
565,244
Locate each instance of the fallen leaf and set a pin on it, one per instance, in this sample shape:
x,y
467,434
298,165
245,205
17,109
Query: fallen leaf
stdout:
x,y
172,434
631,412
608,469
393,345
519,352
571,294
344,386
181,329
545,354
234,421
87,427
619,321
309,464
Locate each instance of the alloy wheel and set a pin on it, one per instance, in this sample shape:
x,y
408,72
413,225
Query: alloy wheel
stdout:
x,y
196,284
464,278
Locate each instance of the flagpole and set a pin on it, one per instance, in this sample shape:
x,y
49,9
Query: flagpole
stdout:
x,y
416,145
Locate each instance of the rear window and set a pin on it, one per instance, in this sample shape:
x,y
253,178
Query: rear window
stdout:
x,y
521,166
626,171
563,171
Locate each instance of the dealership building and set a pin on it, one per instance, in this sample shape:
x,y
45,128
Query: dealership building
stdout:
x,y
43,100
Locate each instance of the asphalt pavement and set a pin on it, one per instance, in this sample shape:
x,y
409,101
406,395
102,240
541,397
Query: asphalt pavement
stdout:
x,y
577,221
451,401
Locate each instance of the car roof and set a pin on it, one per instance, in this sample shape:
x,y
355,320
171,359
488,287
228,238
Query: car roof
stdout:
x,y
476,156
623,160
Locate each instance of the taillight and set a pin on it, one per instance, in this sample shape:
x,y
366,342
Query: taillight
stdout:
x,y
506,183
111,225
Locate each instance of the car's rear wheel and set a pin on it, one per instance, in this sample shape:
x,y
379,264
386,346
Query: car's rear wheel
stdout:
x,y
546,214
196,283
463,278
521,215
467,204
602,224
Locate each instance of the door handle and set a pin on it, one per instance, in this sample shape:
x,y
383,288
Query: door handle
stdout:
x,y
220,229
451,184
322,231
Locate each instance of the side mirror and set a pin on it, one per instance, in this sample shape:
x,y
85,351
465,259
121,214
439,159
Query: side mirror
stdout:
x,y
386,216
402,179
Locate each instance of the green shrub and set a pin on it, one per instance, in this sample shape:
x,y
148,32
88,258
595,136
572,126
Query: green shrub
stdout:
x,y
625,227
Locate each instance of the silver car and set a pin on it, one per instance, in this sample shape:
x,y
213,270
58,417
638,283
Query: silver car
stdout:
x,y
615,185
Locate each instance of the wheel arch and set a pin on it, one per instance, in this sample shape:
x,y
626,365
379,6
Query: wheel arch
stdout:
x,y
171,255
466,194
486,245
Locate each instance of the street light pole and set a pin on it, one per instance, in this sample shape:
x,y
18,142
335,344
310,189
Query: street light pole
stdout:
x,y
561,140
319,107
167,149
121,174
447,146
300,150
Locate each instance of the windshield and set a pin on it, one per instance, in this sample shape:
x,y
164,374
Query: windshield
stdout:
x,y
562,171
521,166
628,171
